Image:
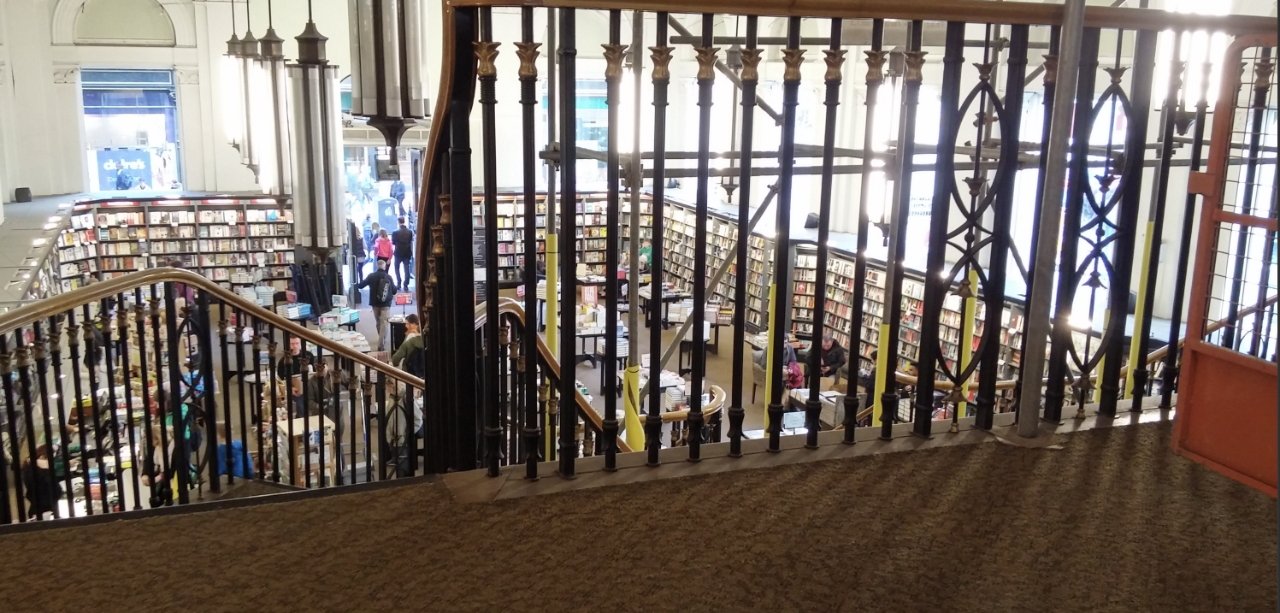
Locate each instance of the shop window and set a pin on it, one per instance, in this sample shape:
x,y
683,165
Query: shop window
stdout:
x,y
131,130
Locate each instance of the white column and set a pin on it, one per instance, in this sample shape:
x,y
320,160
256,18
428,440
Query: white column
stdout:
x,y
66,132
194,128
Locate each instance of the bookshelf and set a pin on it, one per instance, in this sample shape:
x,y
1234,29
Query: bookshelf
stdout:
x,y
234,241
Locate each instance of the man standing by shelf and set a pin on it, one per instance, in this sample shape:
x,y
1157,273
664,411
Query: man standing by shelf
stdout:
x,y
382,292
402,239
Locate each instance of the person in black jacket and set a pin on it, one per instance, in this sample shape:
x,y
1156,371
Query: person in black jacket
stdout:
x,y
382,292
402,239
42,486
355,242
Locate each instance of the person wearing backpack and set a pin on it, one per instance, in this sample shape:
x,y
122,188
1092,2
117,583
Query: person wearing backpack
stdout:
x,y
382,292
411,350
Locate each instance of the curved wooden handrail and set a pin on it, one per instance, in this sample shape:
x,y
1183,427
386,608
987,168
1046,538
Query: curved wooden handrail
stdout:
x,y
507,306
111,288
969,11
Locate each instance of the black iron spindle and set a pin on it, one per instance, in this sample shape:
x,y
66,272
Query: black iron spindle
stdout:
x,y
568,234
274,377
37,353
243,395
7,359
303,410
164,495
875,59
912,78
834,58
936,281
148,440
486,52
660,54
614,52
64,435
527,50
122,325
1155,226
706,55
383,431
1010,116
93,357
109,348
1127,227
793,57
204,378
750,78
366,391
181,462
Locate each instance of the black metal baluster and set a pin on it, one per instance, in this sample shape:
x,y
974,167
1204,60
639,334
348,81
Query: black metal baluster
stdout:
x,y
1077,183
273,373
205,341
1262,73
614,52
51,348
366,390
706,55
7,360
165,494
383,454
316,409
875,58
660,54
93,355
1127,228
834,58
122,324
38,353
486,52
181,462
109,347
352,397
55,348
906,158
411,434
223,330
148,440
936,280
74,338
527,50
793,57
256,399
1156,212
750,77
332,374
568,234
304,368
1001,242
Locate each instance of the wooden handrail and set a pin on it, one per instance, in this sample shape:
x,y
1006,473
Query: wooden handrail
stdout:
x,y
111,288
969,11
507,306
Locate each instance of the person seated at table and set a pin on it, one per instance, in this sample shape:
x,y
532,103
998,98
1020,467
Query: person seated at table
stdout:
x,y
410,350
833,356
792,376
291,371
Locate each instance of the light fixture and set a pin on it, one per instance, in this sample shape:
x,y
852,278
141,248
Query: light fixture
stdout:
x,y
231,87
317,141
270,127
386,52
249,68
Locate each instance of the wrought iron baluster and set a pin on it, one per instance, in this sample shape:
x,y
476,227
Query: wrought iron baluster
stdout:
x,y
256,399
1155,230
527,51
149,444
122,324
273,374
109,349
660,54
486,51
164,497
793,57
366,391
7,365
912,77
93,358
180,463
614,52
303,405
205,366
750,78
875,59
568,231
834,58
937,283
38,353
241,395
706,55
383,450
64,435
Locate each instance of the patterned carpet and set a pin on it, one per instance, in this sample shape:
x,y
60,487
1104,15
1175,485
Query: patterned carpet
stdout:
x,y
1112,522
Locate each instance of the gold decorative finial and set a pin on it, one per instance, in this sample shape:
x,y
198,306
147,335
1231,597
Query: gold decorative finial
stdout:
x,y
437,240
661,61
835,60
446,209
751,65
706,62
1117,74
1262,72
984,70
792,58
1050,69
613,55
486,53
528,54
875,66
915,66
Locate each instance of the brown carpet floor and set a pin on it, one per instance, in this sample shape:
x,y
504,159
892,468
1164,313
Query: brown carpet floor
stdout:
x,y
1112,522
